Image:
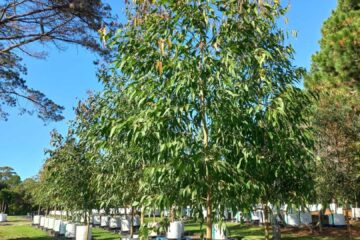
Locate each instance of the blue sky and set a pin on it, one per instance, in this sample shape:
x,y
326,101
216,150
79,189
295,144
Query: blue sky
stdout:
x,y
65,77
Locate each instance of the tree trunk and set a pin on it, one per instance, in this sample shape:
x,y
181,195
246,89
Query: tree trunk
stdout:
x,y
87,222
142,217
276,228
320,221
209,216
39,210
132,223
348,224
266,218
172,214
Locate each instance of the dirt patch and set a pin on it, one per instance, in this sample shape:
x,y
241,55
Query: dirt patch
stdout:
x,y
327,232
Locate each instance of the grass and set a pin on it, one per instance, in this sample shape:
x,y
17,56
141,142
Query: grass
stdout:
x,y
19,228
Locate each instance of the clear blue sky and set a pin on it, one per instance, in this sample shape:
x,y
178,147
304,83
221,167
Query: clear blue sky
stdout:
x,y
66,76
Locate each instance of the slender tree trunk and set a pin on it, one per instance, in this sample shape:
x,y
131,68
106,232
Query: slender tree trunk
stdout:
x,y
320,221
276,227
205,131
209,216
142,217
266,218
132,223
87,223
348,224
39,210
172,214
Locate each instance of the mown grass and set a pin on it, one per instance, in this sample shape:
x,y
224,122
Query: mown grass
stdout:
x,y
19,228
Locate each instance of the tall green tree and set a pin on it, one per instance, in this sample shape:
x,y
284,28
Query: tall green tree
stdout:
x,y
201,74
67,177
335,75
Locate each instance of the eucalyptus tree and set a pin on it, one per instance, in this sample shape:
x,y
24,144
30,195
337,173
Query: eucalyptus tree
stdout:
x,y
117,175
285,151
68,176
200,74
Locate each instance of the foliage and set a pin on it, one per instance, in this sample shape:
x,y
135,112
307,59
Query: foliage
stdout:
x,y
56,22
202,75
15,195
67,176
335,76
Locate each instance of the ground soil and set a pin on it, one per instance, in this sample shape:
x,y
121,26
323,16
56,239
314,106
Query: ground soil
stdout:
x,y
327,231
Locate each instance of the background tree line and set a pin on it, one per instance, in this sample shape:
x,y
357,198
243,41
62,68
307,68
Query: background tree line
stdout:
x,y
16,196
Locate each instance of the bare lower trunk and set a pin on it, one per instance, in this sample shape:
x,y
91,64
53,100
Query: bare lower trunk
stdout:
x,y
142,217
267,225
320,221
348,224
132,223
172,214
209,216
39,210
276,231
87,222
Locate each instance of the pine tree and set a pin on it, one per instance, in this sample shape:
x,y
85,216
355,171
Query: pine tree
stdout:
x,y
338,61
335,76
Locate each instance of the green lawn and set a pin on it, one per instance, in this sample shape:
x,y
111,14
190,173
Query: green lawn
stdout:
x,y
19,228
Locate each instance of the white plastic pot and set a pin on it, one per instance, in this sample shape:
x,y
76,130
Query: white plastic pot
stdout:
x,y
258,215
104,221
339,210
3,217
82,231
57,225
96,219
337,220
42,221
355,213
218,232
292,219
122,211
175,230
125,225
115,223
153,225
305,218
51,223
46,224
36,220
70,230
63,228
136,221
